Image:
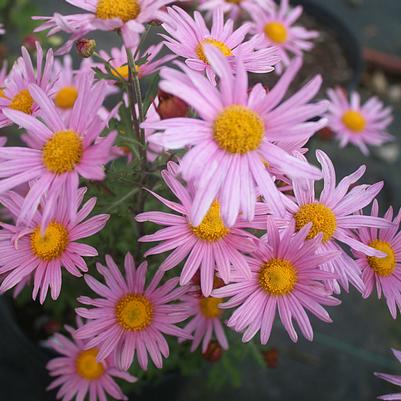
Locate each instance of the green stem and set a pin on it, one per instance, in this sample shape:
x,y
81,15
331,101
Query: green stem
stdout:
x,y
122,199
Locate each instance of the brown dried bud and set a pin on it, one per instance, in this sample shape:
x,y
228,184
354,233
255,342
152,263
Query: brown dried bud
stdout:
x,y
170,106
271,357
214,352
85,47
326,134
30,41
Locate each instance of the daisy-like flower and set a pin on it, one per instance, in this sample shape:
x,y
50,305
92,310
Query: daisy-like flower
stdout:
x,y
118,59
60,152
206,320
31,251
15,94
276,24
209,247
237,133
285,277
358,124
78,373
333,215
382,273
130,319
66,87
394,379
127,16
234,8
188,38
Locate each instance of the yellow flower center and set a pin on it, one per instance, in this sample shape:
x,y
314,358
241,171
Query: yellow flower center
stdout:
x,y
2,93
382,266
354,120
126,10
212,227
52,244
62,152
322,218
123,71
278,276
276,32
238,129
224,49
87,366
66,97
22,101
209,307
234,1
134,312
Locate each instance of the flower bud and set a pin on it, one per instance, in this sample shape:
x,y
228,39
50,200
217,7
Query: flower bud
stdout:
x,y
170,106
85,47
271,357
214,352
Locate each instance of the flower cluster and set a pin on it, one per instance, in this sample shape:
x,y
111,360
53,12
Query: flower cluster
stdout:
x,y
246,230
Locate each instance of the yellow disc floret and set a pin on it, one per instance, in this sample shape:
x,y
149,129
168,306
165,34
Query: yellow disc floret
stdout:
x,y
22,101
278,276
66,97
62,152
212,227
134,312
209,307
224,49
126,10
382,266
52,243
354,121
2,93
238,129
276,32
234,1
87,365
322,218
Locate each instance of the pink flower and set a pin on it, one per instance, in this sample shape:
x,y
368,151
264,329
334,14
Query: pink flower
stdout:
x,y
333,215
188,38
28,250
2,30
237,133
384,273
129,318
206,320
78,373
128,16
394,379
234,8
16,95
285,277
118,59
208,247
59,152
358,124
276,25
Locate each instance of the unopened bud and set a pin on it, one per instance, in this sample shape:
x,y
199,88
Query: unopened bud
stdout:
x,y
171,106
271,357
85,47
213,352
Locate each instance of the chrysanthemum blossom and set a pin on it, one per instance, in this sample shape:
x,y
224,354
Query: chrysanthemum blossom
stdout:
x,y
129,319
276,24
237,133
119,61
79,374
15,94
60,151
286,278
205,322
127,16
31,251
356,123
382,273
209,247
393,379
333,215
189,36
235,9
